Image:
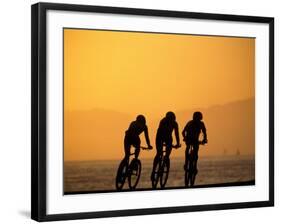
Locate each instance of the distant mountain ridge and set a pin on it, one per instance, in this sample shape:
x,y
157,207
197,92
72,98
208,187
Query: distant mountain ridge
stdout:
x,y
230,127
99,133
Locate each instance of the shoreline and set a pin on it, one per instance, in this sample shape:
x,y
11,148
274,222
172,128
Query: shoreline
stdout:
x,y
229,184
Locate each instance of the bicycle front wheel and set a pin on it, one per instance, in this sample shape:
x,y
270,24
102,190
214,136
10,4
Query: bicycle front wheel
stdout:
x,y
190,175
194,173
186,173
155,174
165,167
121,175
134,173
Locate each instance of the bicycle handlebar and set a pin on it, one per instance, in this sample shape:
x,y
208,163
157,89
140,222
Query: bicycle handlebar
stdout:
x,y
146,148
199,142
202,143
174,146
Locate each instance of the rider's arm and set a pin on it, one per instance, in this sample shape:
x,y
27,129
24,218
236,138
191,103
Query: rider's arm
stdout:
x,y
203,128
146,136
185,130
177,133
183,133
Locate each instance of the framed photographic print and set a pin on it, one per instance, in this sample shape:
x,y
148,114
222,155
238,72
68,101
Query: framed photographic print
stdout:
x,y
140,111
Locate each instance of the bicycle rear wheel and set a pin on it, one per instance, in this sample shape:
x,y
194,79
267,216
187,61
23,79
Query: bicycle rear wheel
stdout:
x,y
191,174
134,173
155,174
193,177
165,167
186,168
121,175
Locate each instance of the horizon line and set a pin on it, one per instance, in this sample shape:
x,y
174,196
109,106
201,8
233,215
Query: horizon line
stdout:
x,y
176,157
180,110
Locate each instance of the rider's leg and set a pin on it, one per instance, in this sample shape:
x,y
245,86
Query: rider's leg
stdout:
x,y
196,149
127,146
186,155
168,150
137,147
159,150
156,158
169,143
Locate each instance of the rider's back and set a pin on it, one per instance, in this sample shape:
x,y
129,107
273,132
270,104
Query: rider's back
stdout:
x,y
193,129
166,127
135,129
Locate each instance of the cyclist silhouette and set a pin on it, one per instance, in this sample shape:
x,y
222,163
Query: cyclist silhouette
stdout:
x,y
132,136
164,136
191,134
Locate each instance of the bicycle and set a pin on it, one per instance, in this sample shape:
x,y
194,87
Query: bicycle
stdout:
x,y
130,170
191,167
161,169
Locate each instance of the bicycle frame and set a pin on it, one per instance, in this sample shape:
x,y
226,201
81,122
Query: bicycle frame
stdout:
x,y
162,166
125,166
191,164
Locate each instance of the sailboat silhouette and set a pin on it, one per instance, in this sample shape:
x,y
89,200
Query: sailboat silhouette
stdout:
x,y
237,152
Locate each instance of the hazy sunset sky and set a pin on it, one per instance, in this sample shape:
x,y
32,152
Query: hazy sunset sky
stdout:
x,y
129,72
133,73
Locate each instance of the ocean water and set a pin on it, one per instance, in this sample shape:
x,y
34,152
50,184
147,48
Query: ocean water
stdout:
x,y
100,175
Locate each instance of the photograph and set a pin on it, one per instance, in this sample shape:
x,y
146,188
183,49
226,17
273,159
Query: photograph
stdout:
x,y
145,111
139,111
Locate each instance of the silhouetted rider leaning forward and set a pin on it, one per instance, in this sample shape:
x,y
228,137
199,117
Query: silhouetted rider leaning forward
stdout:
x,y
132,136
127,169
164,136
191,133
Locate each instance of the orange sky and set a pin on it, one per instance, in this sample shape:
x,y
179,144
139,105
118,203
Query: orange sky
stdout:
x,y
131,73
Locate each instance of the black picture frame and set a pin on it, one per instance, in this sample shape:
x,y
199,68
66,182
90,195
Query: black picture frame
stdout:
x,y
39,122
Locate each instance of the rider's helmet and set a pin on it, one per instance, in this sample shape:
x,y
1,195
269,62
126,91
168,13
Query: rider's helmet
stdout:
x,y
141,119
171,116
197,116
